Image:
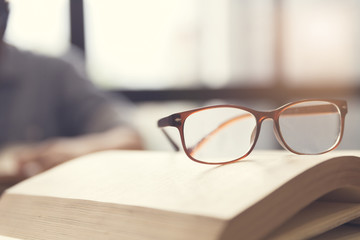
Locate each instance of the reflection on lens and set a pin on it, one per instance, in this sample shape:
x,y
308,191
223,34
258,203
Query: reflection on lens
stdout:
x,y
311,127
219,134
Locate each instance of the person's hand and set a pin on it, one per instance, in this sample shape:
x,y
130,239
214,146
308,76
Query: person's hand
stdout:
x,y
22,161
10,173
42,156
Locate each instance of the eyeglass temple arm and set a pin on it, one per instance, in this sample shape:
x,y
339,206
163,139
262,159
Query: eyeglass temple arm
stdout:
x,y
168,122
316,109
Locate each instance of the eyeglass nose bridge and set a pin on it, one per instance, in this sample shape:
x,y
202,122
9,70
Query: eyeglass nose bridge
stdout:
x,y
261,116
274,116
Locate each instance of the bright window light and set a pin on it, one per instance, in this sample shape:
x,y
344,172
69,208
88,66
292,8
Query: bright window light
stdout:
x,y
178,43
141,43
39,25
321,42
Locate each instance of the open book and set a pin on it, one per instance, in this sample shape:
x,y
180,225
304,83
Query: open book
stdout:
x,y
164,196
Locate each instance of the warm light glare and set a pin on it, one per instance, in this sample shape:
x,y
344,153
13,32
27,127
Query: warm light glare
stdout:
x,y
39,25
178,43
321,43
135,43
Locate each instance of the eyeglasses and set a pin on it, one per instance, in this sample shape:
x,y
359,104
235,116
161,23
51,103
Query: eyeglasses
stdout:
x,y
226,133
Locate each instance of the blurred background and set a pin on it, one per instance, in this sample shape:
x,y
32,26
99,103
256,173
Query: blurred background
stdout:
x,y
174,55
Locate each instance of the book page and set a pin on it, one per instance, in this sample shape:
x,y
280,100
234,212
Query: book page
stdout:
x,y
344,232
171,181
8,238
318,217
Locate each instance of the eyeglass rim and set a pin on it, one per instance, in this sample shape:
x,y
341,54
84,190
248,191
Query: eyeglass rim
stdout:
x,y
341,106
178,120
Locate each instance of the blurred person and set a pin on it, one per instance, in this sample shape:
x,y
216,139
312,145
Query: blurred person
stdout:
x,y
49,113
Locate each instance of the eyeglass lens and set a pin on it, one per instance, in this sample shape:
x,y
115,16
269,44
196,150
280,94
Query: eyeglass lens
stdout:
x,y
310,127
218,135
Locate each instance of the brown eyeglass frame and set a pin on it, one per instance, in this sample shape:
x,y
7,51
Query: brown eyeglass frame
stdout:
x,y
178,119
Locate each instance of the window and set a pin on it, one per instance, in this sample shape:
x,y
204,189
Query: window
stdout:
x,y
321,42
39,25
179,43
159,44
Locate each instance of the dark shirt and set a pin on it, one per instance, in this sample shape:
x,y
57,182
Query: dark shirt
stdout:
x,y
43,97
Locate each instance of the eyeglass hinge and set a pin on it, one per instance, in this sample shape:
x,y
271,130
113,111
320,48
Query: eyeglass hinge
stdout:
x,y
177,120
